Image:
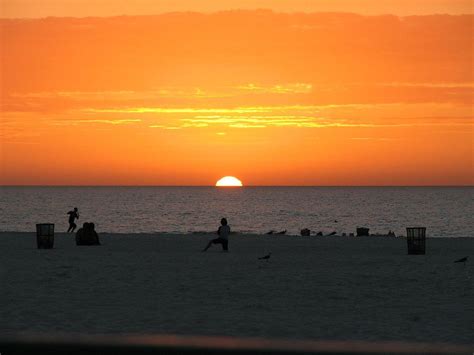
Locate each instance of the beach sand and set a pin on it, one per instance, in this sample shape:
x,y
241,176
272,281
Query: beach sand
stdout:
x,y
333,288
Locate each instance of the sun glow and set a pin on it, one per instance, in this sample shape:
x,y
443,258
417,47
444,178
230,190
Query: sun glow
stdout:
x,y
229,181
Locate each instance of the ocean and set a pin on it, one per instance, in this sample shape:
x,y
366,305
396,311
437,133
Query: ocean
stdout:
x,y
445,211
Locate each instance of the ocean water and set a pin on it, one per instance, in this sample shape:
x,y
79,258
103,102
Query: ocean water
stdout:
x,y
445,211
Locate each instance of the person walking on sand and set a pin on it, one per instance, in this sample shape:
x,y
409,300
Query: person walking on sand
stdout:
x,y
223,233
72,217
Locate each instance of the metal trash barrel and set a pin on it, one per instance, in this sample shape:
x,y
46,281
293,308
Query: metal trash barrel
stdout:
x,y
305,232
416,240
362,232
45,235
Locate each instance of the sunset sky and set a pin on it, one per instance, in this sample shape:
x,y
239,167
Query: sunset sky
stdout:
x,y
366,94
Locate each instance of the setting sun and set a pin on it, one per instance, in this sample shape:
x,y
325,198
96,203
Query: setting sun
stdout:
x,y
229,181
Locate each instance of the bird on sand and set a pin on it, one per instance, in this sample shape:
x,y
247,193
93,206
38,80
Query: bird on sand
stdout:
x,y
462,260
266,257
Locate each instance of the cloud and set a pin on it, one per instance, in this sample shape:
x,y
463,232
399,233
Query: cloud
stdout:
x,y
243,125
375,139
111,95
184,99
298,116
165,127
218,111
469,85
68,122
176,110
246,121
233,49
297,88
92,8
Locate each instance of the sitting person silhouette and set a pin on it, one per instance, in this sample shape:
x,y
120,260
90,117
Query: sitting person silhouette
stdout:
x,y
87,235
223,233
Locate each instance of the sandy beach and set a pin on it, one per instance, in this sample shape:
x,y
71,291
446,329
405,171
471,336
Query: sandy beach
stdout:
x,y
333,288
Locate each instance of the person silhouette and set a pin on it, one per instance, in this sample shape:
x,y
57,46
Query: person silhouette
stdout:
x,y
72,217
223,233
87,235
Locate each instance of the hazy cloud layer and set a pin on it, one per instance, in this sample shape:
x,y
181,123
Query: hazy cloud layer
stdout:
x,y
233,49
190,94
81,8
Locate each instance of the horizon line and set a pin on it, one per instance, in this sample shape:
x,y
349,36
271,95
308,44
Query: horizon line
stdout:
x,y
234,187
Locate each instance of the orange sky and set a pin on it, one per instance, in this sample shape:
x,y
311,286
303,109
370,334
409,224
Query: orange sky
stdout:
x,y
272,98
82,8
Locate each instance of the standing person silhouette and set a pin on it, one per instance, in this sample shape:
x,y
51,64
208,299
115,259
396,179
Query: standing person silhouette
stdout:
x,y
72,216
223,233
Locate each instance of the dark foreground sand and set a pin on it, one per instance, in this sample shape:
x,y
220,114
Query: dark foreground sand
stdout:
x,y
333,288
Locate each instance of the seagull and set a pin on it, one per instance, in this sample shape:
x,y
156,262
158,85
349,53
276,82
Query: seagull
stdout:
x,y
462,260
266,257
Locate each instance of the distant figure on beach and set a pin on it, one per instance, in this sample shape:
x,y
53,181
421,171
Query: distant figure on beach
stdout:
x,y
87,235
223,233
72,217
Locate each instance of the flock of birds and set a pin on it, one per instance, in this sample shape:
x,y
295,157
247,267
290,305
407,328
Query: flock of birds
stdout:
x,y
267,257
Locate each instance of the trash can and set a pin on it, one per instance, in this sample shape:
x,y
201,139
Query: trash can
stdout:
x,y
363,232
416,240
45,235
305,232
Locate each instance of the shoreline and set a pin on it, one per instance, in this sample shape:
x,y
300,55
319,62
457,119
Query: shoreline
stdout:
x,y
233,234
